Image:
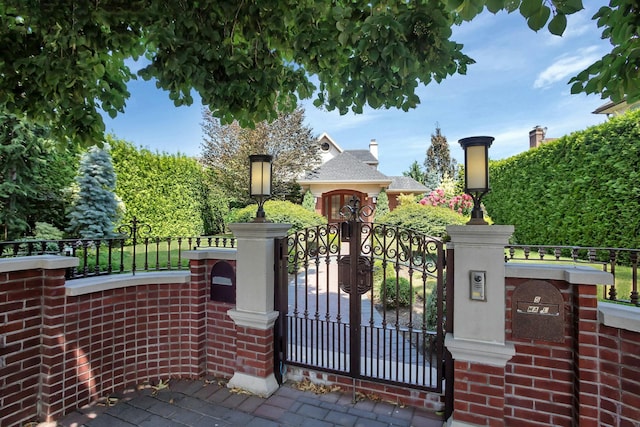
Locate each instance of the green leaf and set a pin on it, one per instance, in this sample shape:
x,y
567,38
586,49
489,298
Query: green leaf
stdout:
x,y
558,24
528,8
539,19
494,6
568,6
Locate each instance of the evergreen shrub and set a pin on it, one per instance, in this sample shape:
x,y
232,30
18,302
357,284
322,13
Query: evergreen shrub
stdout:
x,y
430,220
280,212
397,292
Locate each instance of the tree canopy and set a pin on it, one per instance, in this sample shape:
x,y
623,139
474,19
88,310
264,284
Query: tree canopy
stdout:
x,y
226,150
63,61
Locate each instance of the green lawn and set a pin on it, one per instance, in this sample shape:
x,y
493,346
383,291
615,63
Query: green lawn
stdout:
x,y
623,274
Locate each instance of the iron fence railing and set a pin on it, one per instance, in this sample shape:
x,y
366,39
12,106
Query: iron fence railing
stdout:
x,y
621,263
117,255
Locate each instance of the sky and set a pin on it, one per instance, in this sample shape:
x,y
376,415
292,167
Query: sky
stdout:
x,y
519,81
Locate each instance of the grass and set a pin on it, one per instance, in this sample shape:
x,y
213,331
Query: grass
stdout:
x,y
623,274
154,257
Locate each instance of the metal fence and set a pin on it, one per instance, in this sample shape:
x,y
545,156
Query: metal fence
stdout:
x,y
621,263
128,253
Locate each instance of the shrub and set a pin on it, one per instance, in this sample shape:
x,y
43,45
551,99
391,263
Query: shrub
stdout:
x,y
397,292
430,220
309,202
280,212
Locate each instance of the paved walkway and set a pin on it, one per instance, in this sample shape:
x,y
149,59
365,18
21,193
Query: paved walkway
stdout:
x,y
209,403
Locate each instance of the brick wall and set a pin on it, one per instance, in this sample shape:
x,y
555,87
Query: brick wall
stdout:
x,y
619,366
591,378
59,352
20,332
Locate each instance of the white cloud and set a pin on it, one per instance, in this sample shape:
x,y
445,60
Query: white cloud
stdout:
x,y
565,66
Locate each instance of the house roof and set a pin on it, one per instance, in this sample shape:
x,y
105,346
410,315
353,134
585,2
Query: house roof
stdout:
x,y
406,183
364,156
345,167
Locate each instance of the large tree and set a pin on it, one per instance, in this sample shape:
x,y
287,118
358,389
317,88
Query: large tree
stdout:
x,y
34,172
226,150
438,161
62,61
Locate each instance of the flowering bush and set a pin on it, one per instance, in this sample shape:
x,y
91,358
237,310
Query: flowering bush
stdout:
x,y
462,203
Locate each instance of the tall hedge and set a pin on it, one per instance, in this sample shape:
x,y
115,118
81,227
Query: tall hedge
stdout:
x,y
582,189
166,191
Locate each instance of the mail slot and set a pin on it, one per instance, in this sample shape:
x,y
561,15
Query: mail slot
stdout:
x,y
538,311
363,281
223,282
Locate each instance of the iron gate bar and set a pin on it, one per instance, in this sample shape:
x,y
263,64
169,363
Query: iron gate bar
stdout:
x,y
369,345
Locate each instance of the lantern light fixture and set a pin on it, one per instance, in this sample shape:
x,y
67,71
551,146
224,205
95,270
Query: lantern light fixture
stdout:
x,y
260,180
476,173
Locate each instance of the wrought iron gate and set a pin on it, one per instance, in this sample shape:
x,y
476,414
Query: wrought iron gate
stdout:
x,y
364,300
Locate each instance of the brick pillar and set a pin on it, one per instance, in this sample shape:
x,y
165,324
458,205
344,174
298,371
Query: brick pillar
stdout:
x,y
585,356
53,345
198,318
477,343
254,315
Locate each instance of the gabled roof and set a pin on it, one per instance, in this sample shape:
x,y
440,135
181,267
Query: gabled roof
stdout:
x,y
345,167
327,137
406,183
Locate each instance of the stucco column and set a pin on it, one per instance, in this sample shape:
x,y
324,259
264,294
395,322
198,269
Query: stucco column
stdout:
x,y
254,314
477,343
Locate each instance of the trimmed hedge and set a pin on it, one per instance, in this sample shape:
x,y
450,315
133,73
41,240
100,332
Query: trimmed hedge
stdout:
x,y
166,191
582,189
430,220
280,212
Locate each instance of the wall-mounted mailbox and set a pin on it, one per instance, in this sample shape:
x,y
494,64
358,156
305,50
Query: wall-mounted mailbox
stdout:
x,y
538,311
223,282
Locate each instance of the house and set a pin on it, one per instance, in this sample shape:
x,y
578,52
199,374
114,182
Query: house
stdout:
x,y
345,173
616,108
538,136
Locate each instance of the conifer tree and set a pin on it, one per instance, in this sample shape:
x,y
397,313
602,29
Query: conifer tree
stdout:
x,y
439,159
308,202
95,208
382,205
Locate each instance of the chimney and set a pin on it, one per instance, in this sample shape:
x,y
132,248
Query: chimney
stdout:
x,y
373,148
536,136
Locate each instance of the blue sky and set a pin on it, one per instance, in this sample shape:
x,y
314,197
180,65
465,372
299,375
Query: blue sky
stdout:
x,y
519,81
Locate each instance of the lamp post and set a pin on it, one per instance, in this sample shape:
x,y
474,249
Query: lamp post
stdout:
x,y
260,182
476,173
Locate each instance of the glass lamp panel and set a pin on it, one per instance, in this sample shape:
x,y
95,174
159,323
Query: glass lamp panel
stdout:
x,y
476,168
260,178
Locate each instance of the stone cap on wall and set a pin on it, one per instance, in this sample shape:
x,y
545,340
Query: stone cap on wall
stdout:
x,y
104,283
37,262
212,253
572,274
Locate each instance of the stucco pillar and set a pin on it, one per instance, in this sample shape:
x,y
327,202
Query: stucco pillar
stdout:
x,y
477,343
254,314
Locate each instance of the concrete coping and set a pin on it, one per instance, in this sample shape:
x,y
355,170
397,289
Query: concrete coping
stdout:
x,y
212,253
619,316
37,262
572,274
116,281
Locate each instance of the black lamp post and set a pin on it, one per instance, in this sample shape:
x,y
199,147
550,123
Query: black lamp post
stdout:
x,y
476,172
260,182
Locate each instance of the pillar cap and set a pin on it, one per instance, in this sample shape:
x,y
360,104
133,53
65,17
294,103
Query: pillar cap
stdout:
x,y
263,230
252,319
484,353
